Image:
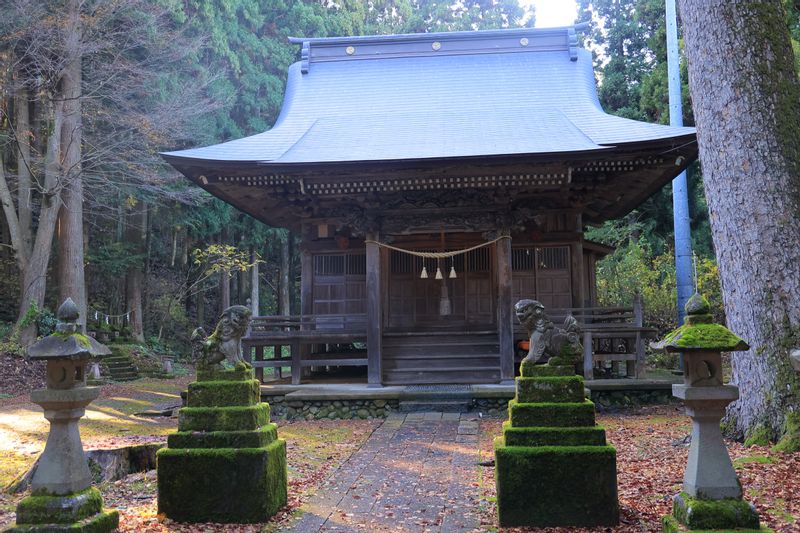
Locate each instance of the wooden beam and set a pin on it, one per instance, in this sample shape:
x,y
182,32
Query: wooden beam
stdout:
x,y
374,312
505,324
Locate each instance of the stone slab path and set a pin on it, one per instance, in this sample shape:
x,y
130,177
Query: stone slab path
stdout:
x,y
417,472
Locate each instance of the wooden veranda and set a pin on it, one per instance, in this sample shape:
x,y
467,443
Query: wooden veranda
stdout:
x,y
610,335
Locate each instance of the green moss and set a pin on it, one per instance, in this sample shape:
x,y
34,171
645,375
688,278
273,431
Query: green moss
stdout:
x,y
550,389
670,525
553,436
224,439
551,414
758,436
66,509
100,523
226,485
223,418
240,373
712,337
80,338
790,442
758,459
224,393
556,485
532,370
729,513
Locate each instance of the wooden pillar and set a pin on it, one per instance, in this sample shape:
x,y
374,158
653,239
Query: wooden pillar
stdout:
x,y
505,315
306,280
306,305
577,266
374,312
636,368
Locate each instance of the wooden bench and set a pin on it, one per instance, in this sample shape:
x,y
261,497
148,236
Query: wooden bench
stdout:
x,y
301,333
610,334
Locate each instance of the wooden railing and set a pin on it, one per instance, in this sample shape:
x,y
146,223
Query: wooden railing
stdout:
x,y
308,338
268,325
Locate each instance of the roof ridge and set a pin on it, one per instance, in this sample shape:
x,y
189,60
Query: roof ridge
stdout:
x,y
327,49
445,35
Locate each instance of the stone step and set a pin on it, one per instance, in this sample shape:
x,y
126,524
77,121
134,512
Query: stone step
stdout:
x,y
443,406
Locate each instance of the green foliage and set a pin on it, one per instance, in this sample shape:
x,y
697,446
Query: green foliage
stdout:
x,y
631,61
175,324
221,258
44,320
114,258
5,330
758,436
635,267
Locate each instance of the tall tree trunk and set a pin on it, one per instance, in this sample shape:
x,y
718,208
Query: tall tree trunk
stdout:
x,y
224,290
24,136
33,264
747,108
254,293
224,278
71,277
285,303
200,299
135,231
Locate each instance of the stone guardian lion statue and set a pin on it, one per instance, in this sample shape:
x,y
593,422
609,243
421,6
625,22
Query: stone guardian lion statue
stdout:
x,y
546,340
225,343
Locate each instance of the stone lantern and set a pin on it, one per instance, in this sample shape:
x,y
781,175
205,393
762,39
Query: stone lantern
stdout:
x,y
712,495
62,497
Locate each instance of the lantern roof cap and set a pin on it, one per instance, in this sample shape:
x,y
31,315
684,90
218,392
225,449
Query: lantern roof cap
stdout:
x,y
67,342
699,333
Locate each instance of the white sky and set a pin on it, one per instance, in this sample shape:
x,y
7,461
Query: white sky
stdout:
x,y
551,13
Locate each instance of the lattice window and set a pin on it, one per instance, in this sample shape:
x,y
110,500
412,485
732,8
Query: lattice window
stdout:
x,y
329,265
523,258
553,258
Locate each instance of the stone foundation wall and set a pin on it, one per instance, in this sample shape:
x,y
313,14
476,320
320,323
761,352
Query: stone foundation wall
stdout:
x,y
605,400
297,409
491,407
291,409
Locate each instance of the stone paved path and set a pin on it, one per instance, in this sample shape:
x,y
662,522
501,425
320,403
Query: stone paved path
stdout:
x,y
417,472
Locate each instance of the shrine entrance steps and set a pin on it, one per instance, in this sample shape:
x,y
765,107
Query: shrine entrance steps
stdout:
x,y
437,398
440,357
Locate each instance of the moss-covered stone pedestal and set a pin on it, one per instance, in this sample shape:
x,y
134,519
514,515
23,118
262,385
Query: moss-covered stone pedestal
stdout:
x,y
226,462
553,466
81,512
698,515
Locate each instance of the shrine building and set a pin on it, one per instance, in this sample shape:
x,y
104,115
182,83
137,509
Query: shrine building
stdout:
x,y
435,179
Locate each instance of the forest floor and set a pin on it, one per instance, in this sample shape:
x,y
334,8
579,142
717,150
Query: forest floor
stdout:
x,y
651,447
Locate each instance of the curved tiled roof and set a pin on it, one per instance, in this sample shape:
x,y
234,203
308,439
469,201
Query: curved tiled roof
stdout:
x,y
432,96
